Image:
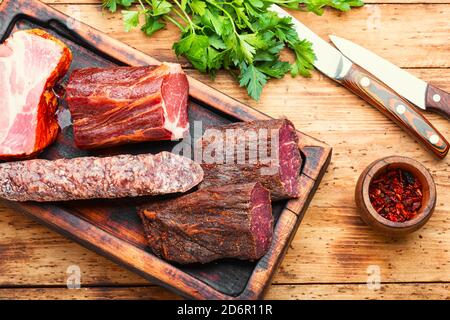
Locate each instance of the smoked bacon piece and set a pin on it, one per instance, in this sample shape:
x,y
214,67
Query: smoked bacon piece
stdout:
x,y
31,62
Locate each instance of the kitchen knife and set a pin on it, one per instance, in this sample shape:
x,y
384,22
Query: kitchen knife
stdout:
x,y
420,93
335,65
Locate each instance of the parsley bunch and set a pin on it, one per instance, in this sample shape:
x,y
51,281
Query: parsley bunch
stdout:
x,y
242,36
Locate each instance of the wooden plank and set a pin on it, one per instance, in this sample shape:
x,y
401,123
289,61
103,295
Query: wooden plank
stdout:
x,y
334,245
334,115
33,254
100,293
395,291
323,109
419,291
327,110
390,30
76,221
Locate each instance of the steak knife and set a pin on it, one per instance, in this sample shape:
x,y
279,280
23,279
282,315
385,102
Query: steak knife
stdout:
x,y
417,91
335,65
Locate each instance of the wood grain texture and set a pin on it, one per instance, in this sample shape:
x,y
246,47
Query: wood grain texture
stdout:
x,y
113,229
332,246
420,291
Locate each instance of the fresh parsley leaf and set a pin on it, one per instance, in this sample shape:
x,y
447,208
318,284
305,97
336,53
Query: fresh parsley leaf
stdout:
x,y
276,69
253,79
130,19
241,36
257,3
199,7
248,43
183,4
112,4
185,44
152,25
215,60
246,49
216,42
304,58
242,18
160,7
194,48
214,21
317,6
254,40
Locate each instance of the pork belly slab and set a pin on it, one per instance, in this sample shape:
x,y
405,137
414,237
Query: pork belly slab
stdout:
x,y
31,62
128,104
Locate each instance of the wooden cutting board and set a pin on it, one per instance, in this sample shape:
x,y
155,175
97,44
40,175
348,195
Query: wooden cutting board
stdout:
x,y
112,227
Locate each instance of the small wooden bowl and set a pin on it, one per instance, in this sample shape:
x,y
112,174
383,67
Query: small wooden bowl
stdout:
x,y
375,220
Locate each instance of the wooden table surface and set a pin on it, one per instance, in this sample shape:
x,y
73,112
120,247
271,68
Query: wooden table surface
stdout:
x,y
333,251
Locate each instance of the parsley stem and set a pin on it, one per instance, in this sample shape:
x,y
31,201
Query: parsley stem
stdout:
x,y
178,13
283,1
226,13
191,24
142,5
175,22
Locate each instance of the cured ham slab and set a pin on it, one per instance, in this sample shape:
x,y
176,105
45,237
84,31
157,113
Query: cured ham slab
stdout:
x,y
31,62
128,104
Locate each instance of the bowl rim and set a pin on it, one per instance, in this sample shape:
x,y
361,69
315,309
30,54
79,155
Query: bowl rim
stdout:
x,y
381,164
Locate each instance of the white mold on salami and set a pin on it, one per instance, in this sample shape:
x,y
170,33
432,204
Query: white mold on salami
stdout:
x,y
92,178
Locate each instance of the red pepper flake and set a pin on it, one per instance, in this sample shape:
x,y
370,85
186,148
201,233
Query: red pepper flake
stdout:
x,y
396,195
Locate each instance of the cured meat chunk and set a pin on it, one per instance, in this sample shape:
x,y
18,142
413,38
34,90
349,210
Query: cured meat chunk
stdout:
x,y
265,151
90,177
128,104
31,62
233,221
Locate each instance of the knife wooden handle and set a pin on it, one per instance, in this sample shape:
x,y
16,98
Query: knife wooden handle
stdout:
x,y
438,101
378,94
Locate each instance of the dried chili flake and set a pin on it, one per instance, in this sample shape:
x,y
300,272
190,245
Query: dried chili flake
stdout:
x,y
396,195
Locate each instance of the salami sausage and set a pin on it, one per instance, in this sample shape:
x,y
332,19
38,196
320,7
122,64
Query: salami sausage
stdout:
x,y
91,177
238,156
210,224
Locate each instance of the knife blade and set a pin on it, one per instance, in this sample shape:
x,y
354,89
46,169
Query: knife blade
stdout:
x,y
417,91
335,65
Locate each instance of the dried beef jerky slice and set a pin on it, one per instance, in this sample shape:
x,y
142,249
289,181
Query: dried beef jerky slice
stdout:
x,y
281,176
233,221
90,177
